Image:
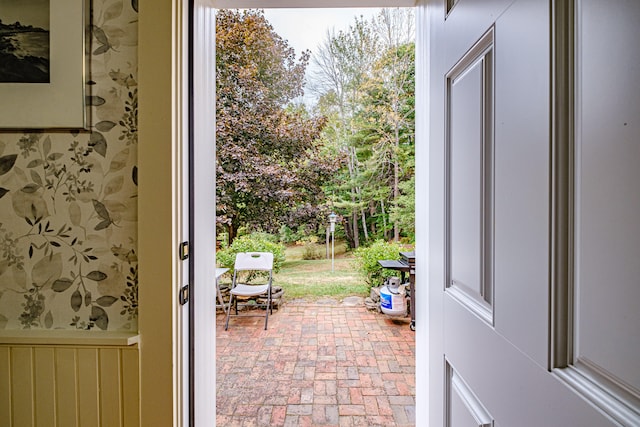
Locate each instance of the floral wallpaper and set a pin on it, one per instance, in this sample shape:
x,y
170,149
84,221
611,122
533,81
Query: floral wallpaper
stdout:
x,y
68,200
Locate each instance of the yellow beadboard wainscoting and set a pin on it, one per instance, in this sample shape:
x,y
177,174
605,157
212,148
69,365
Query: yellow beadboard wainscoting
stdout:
x,y
69,379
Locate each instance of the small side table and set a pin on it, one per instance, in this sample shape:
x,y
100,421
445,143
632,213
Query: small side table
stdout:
x,y
220,272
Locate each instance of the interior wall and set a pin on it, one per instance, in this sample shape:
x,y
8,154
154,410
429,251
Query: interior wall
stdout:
x,y
68,200
112,234
73,384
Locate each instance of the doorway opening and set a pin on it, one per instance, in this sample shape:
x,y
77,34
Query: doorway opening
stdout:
x,y
365,230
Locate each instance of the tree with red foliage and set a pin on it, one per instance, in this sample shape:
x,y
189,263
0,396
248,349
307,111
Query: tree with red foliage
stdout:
x,y
268,161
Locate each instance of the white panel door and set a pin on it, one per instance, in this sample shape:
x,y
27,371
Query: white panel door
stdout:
x,y
504,223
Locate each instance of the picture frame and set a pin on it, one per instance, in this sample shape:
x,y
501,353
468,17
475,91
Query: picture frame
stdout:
x,y
60,102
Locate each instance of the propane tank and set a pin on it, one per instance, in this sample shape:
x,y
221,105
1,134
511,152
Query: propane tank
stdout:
x,y
392,298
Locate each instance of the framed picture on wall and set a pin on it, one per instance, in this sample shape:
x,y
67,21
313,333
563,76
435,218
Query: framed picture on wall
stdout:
x,y
42,64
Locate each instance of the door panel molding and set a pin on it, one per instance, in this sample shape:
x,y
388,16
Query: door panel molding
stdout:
x,y
513,388
562,183
465,23
605,392
469,172
610,393
459,397
450,5
608,202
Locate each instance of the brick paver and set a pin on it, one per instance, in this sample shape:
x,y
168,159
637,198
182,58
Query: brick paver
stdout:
x,y
316,365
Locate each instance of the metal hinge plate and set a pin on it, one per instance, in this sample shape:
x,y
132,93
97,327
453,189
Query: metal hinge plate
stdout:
x,y
184,251
183,295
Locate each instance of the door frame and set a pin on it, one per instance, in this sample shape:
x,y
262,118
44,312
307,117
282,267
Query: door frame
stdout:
x,y
159,127
163,123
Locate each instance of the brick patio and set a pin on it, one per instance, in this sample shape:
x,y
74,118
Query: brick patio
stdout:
x,y
316,365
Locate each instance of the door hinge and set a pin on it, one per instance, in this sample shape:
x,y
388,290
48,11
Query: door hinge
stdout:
x,y
184,251
183,295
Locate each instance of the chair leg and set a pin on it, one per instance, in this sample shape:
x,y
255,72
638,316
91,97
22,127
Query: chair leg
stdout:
x,y
226,325
266,318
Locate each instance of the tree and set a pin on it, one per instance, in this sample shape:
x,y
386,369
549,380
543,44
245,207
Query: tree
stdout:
x,y
366,87
268,166
388,121
395,74
343,61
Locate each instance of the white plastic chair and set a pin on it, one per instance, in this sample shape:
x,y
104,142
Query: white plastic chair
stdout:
x,y
251,262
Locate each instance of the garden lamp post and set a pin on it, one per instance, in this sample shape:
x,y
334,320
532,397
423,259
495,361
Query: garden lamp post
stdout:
x,y
332,227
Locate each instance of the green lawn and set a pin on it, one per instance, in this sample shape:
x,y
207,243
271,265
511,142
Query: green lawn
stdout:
x,y
313,279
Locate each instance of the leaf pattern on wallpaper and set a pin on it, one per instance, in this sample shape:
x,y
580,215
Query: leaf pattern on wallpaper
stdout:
x,y
119,161
129,121
103,213
105,126
123,79
68,216
113,11
130,296
101,39
7,162
94,101
81,296
109,38
114,185
43,274
75,213
99,143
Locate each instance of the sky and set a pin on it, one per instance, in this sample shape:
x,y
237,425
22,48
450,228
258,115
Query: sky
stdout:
x,y
27,12
307,28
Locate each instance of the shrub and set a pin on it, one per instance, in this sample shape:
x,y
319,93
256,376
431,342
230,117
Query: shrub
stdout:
x,y
261,235
310,248
255,242
287,235
367,258
312,251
